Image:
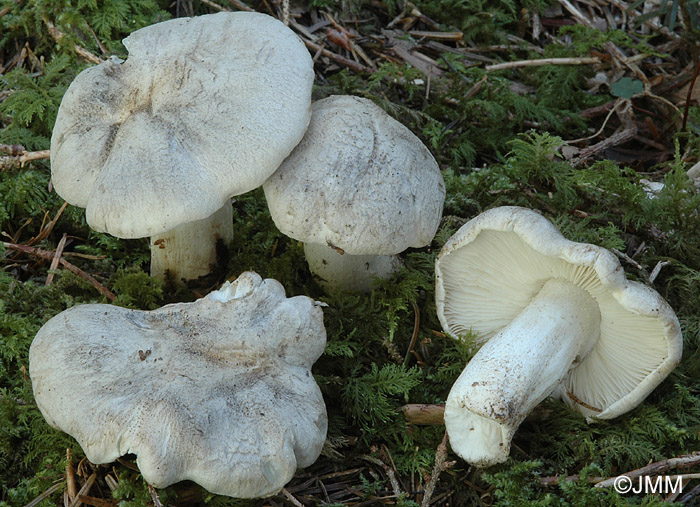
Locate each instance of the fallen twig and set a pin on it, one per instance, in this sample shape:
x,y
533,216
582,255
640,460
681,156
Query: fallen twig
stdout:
x,y
542,61
627,258
578,401
70,477
424,414
56,259
414,336
241,6
82,52
440,466
389,472
685,499
357,67
46,230
45,254
578,15
97,502
434,414
450,36
45,495
215,6
614,140
22,158
84,490
154,496
657,269
602,127
657,468
292,498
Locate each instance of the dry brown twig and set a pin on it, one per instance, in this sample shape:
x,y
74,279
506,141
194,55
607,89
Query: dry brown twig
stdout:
x,y
391,475
625,133
46,230
658,467
424,414
45,494
657,269
216,6
285,12
154,496
630,260
414,336
18,155
56,259
84,490
542,61
82,52
291,498
45,254
602,127
241,6
352,65
112,482
440,466
71,489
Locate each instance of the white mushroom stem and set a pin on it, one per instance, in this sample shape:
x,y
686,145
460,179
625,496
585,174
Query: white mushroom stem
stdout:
x,y
350,273
516,369
189,250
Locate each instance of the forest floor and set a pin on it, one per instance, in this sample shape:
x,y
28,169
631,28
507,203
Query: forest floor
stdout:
x,y
585,110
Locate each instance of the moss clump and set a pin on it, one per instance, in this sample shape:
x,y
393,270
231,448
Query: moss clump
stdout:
x,y
498,137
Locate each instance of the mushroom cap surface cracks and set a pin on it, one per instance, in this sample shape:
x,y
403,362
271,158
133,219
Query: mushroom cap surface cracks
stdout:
x,y
218,391
203,108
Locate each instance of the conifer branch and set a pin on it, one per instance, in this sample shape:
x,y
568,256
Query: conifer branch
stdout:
x,y
81,51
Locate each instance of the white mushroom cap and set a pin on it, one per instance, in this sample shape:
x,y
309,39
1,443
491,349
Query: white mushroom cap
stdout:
x,y
494,266
203,108
218,391
359,181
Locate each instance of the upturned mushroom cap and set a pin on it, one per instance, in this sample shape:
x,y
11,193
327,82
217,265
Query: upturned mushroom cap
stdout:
x,y
493,267
217,391
203,108
359,181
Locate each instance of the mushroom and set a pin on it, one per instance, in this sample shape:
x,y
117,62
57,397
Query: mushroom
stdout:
x,y
359,189
218,391
203,109
555,318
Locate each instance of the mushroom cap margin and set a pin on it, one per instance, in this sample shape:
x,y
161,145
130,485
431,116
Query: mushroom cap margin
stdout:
x,y
203,108
227,413
359,181
630,311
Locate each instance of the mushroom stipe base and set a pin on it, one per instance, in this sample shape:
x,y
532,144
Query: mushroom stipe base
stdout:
x,y
190,250
347,272
517,369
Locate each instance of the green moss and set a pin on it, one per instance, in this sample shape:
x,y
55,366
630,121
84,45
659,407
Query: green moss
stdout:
x,y
490,158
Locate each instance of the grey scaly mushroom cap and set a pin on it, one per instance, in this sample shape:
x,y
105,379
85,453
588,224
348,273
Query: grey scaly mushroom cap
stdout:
x,y
218,391
492,268
203,108
359,181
